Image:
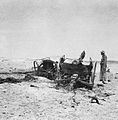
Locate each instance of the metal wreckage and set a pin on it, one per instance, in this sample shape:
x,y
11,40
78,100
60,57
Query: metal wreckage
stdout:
x,y
63,73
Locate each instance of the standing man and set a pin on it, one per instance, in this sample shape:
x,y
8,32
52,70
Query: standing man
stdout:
x,y
81,57
62,59
103,66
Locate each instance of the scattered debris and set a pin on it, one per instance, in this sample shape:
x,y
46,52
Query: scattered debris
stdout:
x,y
109,80
34,86
100,85
116,77
9,80
108,94
95,100
29,77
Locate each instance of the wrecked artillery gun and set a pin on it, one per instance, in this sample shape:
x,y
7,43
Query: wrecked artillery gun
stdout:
x,y
64,73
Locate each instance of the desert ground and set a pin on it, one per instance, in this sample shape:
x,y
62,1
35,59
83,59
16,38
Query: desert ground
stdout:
x,y
37,98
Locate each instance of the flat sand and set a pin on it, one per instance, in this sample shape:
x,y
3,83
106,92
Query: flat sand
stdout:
x,y
39,100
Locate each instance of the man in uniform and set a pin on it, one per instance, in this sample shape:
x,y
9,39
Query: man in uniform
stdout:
x,y
103,66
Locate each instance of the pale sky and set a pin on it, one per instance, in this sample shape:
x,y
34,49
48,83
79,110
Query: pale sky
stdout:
x,y
41,28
